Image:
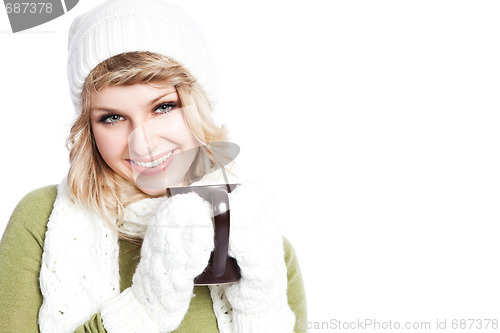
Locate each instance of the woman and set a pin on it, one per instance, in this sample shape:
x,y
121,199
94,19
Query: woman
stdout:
x,y
107,250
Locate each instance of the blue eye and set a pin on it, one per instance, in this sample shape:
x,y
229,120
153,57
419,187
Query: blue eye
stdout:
x,y
110,120
165,107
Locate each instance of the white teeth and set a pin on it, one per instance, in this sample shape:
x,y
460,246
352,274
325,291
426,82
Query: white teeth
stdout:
x,y
153,164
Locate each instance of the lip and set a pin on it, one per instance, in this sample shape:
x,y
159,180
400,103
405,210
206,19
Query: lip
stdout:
x,y
160,168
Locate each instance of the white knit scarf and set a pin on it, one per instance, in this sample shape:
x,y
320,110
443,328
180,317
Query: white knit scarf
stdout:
x,y
80,270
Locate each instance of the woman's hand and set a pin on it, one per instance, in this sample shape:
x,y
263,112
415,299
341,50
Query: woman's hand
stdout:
x,y
259,299
176,249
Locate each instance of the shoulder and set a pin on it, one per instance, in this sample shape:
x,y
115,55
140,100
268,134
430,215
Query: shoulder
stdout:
x,y
287,246
46,193
34,209
290,256
37,202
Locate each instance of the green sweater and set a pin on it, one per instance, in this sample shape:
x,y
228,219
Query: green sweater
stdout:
x,y
21,251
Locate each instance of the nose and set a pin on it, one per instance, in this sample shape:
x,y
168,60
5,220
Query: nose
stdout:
x,y
141,142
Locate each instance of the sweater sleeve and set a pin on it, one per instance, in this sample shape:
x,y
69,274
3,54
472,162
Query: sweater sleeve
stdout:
x,y
295,291
21,251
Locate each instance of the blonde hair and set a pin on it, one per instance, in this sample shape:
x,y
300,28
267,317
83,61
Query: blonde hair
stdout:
x,y
91,181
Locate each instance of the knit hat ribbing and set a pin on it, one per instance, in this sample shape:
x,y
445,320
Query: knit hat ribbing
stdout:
x,y
119,26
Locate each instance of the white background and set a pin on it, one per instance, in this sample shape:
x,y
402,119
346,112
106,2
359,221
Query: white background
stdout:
x,y
377,122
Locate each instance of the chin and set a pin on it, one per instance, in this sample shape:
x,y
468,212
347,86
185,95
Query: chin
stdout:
x,y
153,192
155,186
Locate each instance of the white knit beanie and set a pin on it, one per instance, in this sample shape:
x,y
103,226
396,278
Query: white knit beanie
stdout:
x,y
118,26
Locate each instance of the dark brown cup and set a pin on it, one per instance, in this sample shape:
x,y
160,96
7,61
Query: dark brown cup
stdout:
x,y
221,267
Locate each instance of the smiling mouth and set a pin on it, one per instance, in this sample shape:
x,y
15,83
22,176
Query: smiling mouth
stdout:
x,y
154,163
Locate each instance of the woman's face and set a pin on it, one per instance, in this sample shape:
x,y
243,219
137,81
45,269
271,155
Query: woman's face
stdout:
x,y
141,134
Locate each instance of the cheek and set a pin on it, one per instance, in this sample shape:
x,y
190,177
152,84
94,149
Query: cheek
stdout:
x,y
173,128
110,145
182,134
183,137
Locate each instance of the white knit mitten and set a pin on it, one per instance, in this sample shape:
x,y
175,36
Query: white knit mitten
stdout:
x,y
175,250
259,299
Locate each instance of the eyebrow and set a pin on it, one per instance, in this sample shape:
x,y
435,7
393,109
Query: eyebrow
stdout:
x,y
105,109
